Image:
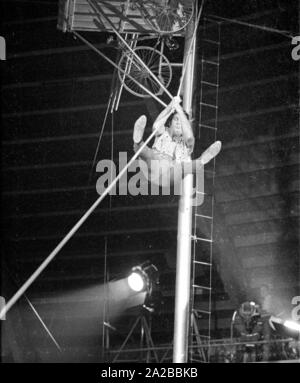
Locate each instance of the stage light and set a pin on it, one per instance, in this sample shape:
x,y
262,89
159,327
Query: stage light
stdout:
x,y
292,325
285,327
143,277
136,281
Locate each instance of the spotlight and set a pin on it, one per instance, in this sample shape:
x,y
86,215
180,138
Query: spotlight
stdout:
x,y
136,281
286,327
292,325
143,277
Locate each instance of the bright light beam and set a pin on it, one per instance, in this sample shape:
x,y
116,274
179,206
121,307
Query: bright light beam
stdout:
x,y
292,325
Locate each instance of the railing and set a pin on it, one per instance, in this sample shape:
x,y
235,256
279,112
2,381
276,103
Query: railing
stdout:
x,y
221,351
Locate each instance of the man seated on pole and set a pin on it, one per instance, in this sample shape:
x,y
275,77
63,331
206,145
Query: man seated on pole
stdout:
x,y
173,145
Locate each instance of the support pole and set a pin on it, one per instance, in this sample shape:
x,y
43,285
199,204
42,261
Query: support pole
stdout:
x,y
183,267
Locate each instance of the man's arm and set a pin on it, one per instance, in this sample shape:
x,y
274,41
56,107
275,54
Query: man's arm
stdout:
x,y
159,123
187,131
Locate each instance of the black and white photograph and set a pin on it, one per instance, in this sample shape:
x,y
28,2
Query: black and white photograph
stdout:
x,y
150,184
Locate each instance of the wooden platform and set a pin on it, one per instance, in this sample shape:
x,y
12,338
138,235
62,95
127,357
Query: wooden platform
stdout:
x,y
78,15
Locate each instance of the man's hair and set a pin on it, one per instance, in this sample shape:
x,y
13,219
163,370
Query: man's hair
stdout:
x,y
170,118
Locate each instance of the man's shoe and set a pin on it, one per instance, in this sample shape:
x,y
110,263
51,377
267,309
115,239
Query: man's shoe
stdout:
x,y
211,152
139,128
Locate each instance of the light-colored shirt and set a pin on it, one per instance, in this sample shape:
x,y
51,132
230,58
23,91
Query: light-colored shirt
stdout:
x,y
173,147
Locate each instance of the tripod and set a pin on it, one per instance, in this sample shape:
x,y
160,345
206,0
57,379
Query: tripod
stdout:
x,y
145,338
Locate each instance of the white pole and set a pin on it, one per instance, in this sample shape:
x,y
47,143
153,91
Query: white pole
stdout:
x,y
183,267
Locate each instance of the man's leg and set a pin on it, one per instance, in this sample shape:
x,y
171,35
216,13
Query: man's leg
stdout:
x,y
146,154
138,132
139,128
208,155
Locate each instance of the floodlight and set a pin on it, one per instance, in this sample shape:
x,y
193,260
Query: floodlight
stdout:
x,y
143,277
136,281
292,325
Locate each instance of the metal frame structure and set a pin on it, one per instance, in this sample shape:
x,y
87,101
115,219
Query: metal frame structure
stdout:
x,y
127,16
145,338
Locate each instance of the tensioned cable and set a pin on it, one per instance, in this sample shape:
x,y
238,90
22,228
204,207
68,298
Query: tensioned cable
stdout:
x,y
101,132
74,229
261,27
100,138
106,300
138,58
98,10
109,104
106,278
16,282
120,69
42,323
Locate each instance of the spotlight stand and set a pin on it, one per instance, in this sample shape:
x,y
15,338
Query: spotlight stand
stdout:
x,y
145,335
